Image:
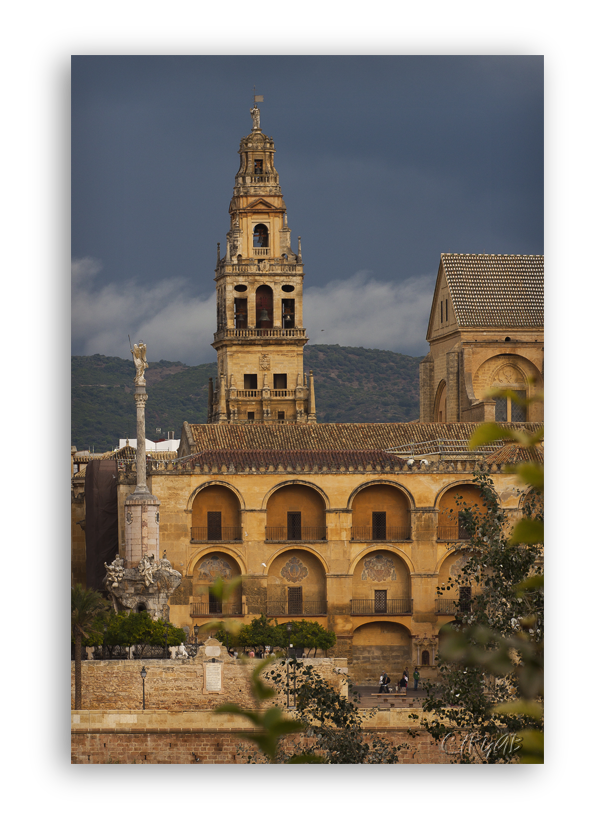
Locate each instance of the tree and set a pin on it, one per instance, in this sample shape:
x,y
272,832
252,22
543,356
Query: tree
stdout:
x,y
492,657
140,630
262,632
86,606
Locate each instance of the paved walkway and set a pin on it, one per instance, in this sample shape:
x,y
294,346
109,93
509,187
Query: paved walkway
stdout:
x,y
411,698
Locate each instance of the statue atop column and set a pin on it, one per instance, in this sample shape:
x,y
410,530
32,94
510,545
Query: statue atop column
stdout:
x,y
141,364
256,118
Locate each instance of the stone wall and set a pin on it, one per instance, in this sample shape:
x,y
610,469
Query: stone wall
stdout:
x,y
177,685
158,737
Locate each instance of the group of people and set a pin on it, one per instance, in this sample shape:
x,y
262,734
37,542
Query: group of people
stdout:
x,y
403,683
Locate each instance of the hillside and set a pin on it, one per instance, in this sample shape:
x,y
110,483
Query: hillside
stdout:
x,y
351,385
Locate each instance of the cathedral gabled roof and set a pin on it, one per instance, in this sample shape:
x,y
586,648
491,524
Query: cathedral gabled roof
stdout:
x,y
493,290
322,437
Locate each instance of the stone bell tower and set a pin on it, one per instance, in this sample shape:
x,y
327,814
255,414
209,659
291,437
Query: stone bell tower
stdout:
x,y
259,335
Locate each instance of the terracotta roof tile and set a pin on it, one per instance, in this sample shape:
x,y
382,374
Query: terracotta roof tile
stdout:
x,y
494,289
297,460
329,436
514,453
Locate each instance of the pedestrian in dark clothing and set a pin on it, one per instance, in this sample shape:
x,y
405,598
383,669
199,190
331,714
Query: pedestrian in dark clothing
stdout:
x,y
416,677
384,680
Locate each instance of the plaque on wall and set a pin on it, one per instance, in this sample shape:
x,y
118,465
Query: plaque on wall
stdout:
x,y
212,651
213,677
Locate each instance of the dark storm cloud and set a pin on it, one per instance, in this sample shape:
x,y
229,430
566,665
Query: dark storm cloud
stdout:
x,y
384,161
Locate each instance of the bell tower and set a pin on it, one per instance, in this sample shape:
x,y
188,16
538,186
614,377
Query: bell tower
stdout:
x,y
259,335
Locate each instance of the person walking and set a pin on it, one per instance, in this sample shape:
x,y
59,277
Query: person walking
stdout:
x,y
404,681
416,677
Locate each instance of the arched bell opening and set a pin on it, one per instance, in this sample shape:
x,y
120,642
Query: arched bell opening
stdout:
x,y
260,236
264,307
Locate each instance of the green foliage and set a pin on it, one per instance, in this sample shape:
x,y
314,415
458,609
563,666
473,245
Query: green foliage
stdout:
x,y
140,630
88,607
264,631
491,660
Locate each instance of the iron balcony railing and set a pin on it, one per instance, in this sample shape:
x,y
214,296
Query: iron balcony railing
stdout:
x,y
295,533
452,532
205,609
215,533
380,533
391,606
308,608
450,606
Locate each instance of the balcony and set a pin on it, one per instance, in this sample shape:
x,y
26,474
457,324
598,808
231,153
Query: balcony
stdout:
x,y
259,334
261,251
207,609
307,608
363,607
274,266
381,533
295,533
452,532
200,535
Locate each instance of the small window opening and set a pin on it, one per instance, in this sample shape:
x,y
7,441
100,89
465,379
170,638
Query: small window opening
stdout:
x,y
294,526
288,314
379,526
251,416
280,381
215,604
258,167
380,602
447,310
241,313
281,415
425,658
295,600
250,382
441,311
465,598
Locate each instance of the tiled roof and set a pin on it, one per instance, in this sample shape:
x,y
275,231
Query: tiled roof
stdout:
x,y
329,437
494,289
296,460
514,453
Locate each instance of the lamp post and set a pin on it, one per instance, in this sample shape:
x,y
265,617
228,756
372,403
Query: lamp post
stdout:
x,y
196,633
166,643
143,674
289,629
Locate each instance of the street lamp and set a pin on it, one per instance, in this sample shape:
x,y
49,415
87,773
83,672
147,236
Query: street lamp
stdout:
x,y
143,674
196,632
166,642
289,629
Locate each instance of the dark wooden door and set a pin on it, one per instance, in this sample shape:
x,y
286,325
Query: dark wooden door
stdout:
x,y
379,526
380,602
215,605
214,526
296,600
294,526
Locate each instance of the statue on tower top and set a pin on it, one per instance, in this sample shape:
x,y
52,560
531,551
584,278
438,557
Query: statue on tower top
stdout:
x,y
256,118
141,364
256,113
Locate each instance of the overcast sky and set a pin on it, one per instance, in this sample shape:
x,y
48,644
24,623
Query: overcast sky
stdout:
x,y
384,163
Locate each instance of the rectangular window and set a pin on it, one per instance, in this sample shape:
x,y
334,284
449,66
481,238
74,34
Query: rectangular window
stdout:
x,y
441,311
465,598
518,411
250,382
288,314
241,313
447,310
214,526
280,381
251,416
215,605
379,526
463,533
258,167
294,526
501,410
380,602
281,415
296,600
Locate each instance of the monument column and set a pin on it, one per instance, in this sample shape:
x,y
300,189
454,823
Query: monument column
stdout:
x,y
142,509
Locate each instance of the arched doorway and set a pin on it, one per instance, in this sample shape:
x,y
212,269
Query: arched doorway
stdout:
x,y
208,569
379,646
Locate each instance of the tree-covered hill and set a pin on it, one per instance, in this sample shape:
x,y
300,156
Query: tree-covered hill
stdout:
x,y
351,385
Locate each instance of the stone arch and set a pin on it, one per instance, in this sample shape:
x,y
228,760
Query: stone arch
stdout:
x,y
195,492
512,372
296,583
284,483
209,567
440,402
204,552
450,525
390,548
381,482
377,646
381,585
306,547
381,511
